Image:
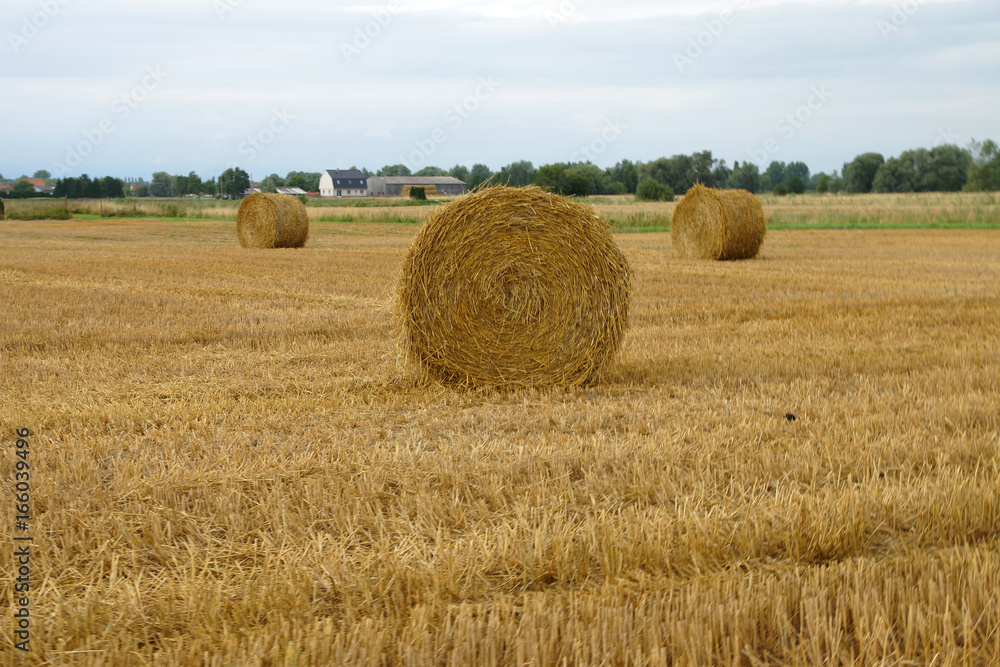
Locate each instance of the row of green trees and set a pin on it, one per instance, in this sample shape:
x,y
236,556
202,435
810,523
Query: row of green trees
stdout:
x,y
93,188
677,173
945,168
232,183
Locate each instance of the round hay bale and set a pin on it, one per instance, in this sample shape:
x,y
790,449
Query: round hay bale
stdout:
x,y
717,224
514,287
272,221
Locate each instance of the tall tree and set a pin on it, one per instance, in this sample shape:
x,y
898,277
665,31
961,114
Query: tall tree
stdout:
x,y
394,170
233,182
745,176
112,187
478,175
701,168
800,169
296,180
269,184
823,184
193,184
984,168
461,172
859,174
564,179
721,174
774,176
42,173
162,185
309,180
948,169
22,190
901,174
517,174
630,175
941,169
431,171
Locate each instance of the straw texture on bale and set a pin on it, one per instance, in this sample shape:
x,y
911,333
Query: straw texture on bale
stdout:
x,y
514,287
717,224
272,221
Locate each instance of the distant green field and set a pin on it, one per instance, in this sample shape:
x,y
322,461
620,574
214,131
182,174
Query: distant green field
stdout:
x,y
623,213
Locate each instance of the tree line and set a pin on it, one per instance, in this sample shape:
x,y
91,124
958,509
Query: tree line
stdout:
x,y
944,168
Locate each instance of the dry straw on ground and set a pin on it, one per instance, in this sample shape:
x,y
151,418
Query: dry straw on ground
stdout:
x,y
514,287
272,221
717,224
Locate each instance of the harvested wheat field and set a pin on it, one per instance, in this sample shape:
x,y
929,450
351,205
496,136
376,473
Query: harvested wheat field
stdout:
x,y
794,460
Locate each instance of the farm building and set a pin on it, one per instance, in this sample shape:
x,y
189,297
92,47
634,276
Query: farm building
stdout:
x,y
39,185
394,186
343,183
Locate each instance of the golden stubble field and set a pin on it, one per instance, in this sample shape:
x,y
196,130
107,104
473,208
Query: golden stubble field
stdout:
x,y
232,466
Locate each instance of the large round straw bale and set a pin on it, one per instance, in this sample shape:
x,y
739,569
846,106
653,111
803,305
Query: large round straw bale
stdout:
x,y
272,221
514,287
1,208
717,224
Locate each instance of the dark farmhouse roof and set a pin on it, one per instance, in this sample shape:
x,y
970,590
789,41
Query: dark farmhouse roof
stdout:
x,y
348,178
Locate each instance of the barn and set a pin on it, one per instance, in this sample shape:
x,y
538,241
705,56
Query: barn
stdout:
x,y
395,186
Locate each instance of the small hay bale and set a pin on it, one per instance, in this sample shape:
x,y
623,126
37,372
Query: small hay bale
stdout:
x,y
514,287
272,221
717,224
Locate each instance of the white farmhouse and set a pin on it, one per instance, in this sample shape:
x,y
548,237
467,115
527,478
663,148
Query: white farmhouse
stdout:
x,y
343,183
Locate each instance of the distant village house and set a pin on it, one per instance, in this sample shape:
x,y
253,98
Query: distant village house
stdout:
x,y
343,183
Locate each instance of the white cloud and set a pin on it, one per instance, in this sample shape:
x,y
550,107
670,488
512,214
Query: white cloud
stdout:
x,y
559,83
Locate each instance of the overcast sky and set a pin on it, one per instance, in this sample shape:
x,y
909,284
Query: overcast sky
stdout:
x,y
126,89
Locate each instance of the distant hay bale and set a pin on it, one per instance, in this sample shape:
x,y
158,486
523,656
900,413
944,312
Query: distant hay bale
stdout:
x,y
514,287
717,224
272,221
